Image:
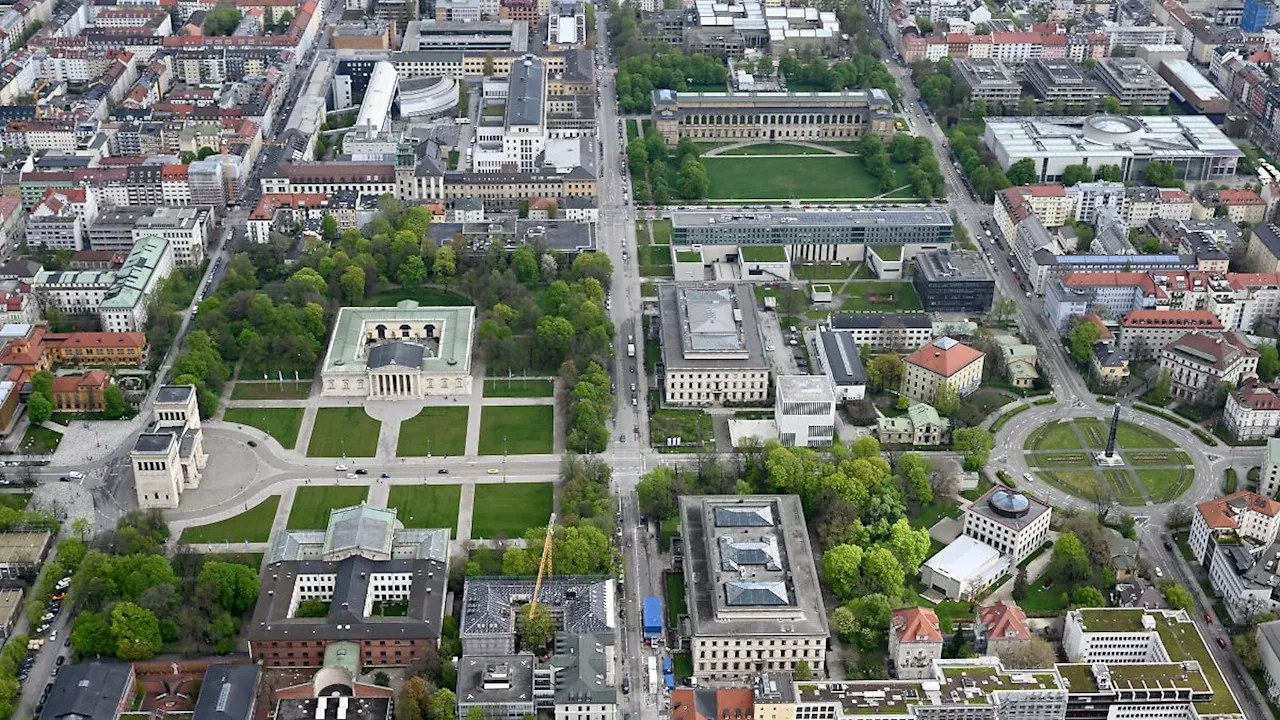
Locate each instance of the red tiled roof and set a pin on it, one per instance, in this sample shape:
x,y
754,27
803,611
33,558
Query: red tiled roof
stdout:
x,y
1046,190
1239,197
1253,395
1220,513
1172,318
1223,348
1116,279
916,624
97,339
944,362
1004,621
69,383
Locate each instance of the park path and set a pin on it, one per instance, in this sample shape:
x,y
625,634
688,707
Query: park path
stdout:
x,y
720,151
466,510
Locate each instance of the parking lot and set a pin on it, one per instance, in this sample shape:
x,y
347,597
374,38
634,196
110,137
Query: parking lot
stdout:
x,y
784,357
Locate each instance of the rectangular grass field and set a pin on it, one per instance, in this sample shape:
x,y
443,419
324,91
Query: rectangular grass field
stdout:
x,y
435,430
280,423
288,390
1165,485
519,388
879,296
312,503
509,509
1123,488
528,429
253,525
427,506
788,178
342,431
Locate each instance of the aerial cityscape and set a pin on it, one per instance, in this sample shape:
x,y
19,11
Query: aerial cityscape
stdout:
x,y
639,360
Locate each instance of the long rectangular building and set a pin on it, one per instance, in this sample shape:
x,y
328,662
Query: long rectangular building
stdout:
x,y
816,235
773,116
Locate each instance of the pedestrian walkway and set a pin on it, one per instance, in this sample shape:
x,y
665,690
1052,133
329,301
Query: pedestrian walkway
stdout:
x,y
466,510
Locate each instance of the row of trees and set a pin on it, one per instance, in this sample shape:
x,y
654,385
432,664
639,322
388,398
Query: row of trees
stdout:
x,y
862,72
650,165
665,69
922,174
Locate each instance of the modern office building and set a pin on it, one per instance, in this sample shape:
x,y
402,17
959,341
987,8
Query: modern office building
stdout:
x,y
1258,14
773,116
840,359
332,587
805,410
751,587
1196,148
954,281
815,235
989,80
887,331
711,347
1060,80
941,361
1131,80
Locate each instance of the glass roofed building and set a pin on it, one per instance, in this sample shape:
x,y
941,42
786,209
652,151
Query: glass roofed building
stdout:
x,y
1195,147
365,580
751,585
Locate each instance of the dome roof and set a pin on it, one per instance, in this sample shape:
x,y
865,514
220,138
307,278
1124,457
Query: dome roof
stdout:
x,y
1009,503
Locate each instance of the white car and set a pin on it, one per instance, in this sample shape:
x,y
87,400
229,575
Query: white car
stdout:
x,y
1027,477
53,636
352,476
75,475
340,468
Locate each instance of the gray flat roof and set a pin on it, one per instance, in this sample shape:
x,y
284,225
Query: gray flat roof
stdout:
x,y
524,91
228,692
800,217
982,506
805,388
953,265
781,596
497,680
844,364
683,336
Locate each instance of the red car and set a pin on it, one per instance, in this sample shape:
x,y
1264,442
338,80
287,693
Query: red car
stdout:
x,y
1208,618
1222,642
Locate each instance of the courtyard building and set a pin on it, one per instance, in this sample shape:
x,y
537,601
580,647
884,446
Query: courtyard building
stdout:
x,y
405,352
579,605
942,361
711,348
365,583
752,589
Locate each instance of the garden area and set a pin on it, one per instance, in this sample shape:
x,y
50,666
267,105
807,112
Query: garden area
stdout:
x,y
253,525
40,440
343,432
287,390
693,427
655,261
312,503
280,423
517,429
509,509
427,506
434,431
519,388
879,296
791,178
1062,454
425,296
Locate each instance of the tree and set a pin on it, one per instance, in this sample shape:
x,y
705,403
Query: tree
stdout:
x,y
884,372
412,272
535,626
911,546
1111,105
220,21
91,635
1003,310
475,713
1179,516
329,228
42,382
947,399
1268,362
1161,175
39,408
975,443
444,703
1082,339
445,266
883,572
842,565
1178,597
1035,653
136,630
352,283
802,672
692,182
1022,172
488,64
593,265
233,586
1020,585
1070,563
1087,596
1246,646
1110,173
1073,174
114,405
1159,393
524,263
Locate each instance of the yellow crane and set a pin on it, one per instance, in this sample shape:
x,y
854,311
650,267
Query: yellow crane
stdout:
x,y
544,565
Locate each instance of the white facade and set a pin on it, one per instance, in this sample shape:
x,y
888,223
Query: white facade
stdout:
x,y
1252,412
1016,537
1269,480
805,410
1245,514
170,459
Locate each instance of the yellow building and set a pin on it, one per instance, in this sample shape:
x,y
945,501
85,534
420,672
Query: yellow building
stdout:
x,y
941,361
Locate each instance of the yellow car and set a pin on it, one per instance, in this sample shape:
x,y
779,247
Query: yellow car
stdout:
x,y
493,471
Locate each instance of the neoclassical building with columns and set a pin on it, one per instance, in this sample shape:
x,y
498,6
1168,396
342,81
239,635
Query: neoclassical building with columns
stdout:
x,y
399,353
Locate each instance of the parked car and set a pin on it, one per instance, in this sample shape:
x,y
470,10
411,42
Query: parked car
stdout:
x,y
442,471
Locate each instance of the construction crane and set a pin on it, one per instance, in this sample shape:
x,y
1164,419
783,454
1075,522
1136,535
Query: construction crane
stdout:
x,y
544,565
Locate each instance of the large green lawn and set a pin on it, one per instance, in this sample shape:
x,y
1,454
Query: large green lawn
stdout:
x,y
1059,436
312,503
1165,485
661,232
783,178
517,429
289,390
40,441
343,432
774,149
436,431
253,525
509,509
426,296
518,388
280,423
427,506
879,296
